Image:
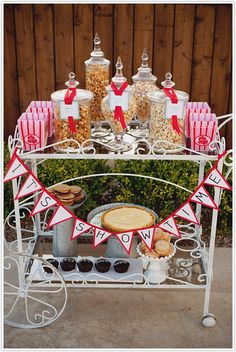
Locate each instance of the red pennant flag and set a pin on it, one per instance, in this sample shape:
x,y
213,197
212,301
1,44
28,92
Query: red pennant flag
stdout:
x,y
45,201
30,185
147,236
201,196
126,240
186,212
99,236
60,214
216,179
169,225
15,168
80,227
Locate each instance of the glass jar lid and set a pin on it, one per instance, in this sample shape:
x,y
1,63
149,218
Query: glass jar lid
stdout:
x,y
81,94
97,55
119,78
144,71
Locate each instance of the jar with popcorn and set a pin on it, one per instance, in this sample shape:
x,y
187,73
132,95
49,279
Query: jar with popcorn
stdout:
x,y
119,108
167,117
72,115
97,78
144,82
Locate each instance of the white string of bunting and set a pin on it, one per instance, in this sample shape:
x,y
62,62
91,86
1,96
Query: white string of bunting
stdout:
x,y
31,184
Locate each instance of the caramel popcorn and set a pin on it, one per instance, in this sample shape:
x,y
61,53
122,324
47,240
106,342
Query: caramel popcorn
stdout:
x,y
97,78
141,88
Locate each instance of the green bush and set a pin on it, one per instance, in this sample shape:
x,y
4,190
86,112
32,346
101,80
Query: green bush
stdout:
x,y
161,197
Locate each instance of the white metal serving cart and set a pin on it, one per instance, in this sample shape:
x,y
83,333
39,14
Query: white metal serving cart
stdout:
x,y
34,298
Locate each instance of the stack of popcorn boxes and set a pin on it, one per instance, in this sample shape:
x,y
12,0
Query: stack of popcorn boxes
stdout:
x,y
36,125
201,126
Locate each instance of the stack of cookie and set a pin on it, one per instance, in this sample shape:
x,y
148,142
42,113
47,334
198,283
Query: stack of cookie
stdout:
x,y
161,245
68,195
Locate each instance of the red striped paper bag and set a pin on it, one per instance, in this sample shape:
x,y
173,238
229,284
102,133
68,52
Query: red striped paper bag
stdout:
x,y
33,130
47,107
202,131
198,107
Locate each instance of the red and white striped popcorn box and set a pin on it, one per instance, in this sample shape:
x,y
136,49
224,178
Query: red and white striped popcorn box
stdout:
x,y
203,128
198,107
47,107
33,130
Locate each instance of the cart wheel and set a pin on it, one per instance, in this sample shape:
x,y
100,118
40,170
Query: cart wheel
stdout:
x,y
33,298
209,320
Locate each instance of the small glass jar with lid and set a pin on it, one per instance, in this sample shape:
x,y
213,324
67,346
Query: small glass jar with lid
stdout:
x,y
97,79
167,116
144,82
119,108
72,115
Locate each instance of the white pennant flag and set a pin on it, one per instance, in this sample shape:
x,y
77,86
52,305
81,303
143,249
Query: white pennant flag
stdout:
x,y
170,226
186,212
215,178
30,185
99,236
60,214
126,240
44,202
147,236
201,196
79,227
15,169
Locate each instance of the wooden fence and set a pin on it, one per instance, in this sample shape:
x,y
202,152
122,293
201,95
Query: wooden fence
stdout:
x,y
44,42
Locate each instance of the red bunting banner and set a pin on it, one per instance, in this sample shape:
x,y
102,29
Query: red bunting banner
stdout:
x,y
186,212
169,225
216,179
125,239
30,185
79,228
147,236
100,235
45,201
201,196
60,214
15,168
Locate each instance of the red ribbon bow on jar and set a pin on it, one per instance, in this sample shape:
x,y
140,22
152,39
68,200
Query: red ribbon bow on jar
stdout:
x,y
118,109
170,93
68,99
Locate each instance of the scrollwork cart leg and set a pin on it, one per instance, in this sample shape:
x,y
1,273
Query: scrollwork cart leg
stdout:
x,y
208,319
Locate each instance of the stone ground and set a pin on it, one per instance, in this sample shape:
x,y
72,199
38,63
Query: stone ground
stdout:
x,y
125,318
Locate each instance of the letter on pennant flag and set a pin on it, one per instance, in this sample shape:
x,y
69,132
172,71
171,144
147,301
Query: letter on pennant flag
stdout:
x,y
15,168
60,215
126,240
169,225
30,185
147,236
186,212
215,178
79,227
44,202
99,236
201,196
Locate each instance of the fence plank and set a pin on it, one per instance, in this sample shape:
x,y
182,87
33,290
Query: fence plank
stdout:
x,y
143,33
203,52
221,70
11,101
25,54
163,40
64,53
83,31
183,44
123,37
103,25
44,50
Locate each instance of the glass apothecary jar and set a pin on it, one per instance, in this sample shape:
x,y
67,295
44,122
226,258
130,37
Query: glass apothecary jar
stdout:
x,y
167,116
97,79
144,82
119,108
72,114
